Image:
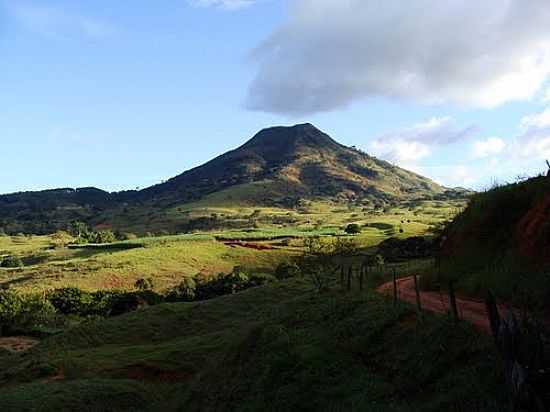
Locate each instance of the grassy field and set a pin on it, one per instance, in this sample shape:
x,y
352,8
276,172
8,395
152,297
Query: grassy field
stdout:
x,y
282,346
49,263
277,347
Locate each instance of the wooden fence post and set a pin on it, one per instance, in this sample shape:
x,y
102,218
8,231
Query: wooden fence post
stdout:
x,y
350,274
452,301
394,288
342,276
492,313
361,276
417,289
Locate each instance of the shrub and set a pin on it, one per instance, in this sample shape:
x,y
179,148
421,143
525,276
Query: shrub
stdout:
x,y
20,313
70,300
11,262
353,229
342,247
224,284
35,311
103,236
318,262
185,291
144,284
124,303
287,270
10,307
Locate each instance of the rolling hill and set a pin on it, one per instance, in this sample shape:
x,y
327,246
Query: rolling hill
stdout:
x,y
278,167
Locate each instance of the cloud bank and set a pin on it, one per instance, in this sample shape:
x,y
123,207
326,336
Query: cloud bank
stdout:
x,y
331,53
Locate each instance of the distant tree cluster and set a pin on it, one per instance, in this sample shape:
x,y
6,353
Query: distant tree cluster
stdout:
x,y
83,234
11,262
353,229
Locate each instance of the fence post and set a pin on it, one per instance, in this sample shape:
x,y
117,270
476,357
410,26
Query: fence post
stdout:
x,y
361,276
394,288
492,313
350,274
417,289
342,276
452,301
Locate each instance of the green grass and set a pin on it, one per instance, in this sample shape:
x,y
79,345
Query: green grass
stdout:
x,y
278,347
487,246
167,259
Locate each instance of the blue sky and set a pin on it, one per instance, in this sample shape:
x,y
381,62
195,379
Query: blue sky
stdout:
x,y
125,94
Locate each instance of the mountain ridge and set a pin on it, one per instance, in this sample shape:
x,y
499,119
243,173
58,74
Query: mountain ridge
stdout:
x,y
276,167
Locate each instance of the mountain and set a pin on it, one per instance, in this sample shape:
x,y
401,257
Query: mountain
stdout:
x,y
277,167
297,161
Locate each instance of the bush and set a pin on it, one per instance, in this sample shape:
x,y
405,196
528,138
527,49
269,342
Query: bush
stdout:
x,y
21,313
353,229
70,300
184,292
10,307
11,262
224,284
35,311
103,236
287,270
144,284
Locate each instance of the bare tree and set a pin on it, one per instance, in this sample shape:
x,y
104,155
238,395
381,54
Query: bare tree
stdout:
x,y
548,164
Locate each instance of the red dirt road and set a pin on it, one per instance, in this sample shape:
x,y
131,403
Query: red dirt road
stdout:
x,y
470,310
18,343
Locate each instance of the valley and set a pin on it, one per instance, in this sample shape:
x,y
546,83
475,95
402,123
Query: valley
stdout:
x,y
277,293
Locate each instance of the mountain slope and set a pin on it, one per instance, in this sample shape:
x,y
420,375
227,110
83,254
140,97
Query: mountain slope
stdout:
x,y
296,161
277,167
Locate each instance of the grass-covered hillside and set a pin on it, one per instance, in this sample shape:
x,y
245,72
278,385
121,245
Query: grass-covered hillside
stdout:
x,y
279,347
501,241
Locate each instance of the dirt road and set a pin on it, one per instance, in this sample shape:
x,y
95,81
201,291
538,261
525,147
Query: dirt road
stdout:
x,y
470,310
18,343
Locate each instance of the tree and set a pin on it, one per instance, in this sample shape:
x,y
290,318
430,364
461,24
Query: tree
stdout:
x,y
317,263
144,284
11,262
80,230
344,247
287,270
374,260
103,236
353,229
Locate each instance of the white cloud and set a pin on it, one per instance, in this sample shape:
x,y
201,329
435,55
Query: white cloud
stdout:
x,y
487,148
536,121
52,20
407,146
546,96
460,176
223,4
331,53
534,142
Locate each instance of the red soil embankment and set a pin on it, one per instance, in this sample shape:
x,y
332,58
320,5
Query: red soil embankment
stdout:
x,y
533,231
253,246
